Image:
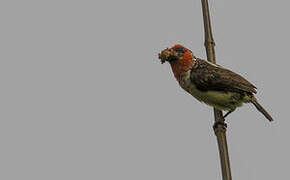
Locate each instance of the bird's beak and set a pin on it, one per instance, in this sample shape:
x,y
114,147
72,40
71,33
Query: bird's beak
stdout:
x,y
164,55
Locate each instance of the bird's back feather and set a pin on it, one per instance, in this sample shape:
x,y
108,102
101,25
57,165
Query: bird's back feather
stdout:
x,y
207,76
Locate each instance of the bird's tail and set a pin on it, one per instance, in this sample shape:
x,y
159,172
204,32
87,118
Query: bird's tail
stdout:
x,y
261,109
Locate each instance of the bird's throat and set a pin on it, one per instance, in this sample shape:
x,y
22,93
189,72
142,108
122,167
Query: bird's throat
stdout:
x,y
181,66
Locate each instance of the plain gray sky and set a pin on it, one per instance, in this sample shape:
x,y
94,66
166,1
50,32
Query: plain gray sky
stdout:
x,y
83,95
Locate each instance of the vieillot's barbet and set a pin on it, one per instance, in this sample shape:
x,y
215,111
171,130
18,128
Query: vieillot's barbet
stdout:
x,y
210,83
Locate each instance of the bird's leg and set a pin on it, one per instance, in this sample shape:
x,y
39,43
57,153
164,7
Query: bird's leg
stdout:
x,y
222,123
229,112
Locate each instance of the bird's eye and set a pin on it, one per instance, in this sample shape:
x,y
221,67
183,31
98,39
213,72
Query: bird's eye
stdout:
x,y
180,50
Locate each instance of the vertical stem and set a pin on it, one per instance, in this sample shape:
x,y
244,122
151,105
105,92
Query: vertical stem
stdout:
x,y
220,127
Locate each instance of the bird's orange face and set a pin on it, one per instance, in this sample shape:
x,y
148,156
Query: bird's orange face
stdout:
x,y
180,58
177,52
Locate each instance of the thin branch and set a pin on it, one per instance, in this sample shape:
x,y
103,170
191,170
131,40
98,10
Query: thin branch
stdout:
x,y
220,127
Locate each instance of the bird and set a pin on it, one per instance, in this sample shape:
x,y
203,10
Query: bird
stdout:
x,y
210,83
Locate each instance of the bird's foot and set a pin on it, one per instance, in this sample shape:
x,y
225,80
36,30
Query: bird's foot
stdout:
x,y
217,123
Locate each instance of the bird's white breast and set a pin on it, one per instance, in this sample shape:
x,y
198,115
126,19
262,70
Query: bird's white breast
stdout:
x,y
218,99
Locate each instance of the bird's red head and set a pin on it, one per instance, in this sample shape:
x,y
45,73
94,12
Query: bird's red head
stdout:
x,y
175,53
180,58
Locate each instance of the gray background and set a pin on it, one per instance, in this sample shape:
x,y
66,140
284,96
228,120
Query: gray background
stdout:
x,y
83,95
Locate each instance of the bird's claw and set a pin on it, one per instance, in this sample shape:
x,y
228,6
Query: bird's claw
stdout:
x,y
217,123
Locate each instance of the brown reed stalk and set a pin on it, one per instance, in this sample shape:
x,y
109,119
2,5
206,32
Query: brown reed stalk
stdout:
x,y
220,126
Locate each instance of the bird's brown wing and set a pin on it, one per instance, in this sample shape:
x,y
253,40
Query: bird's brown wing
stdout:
x,y
207,76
